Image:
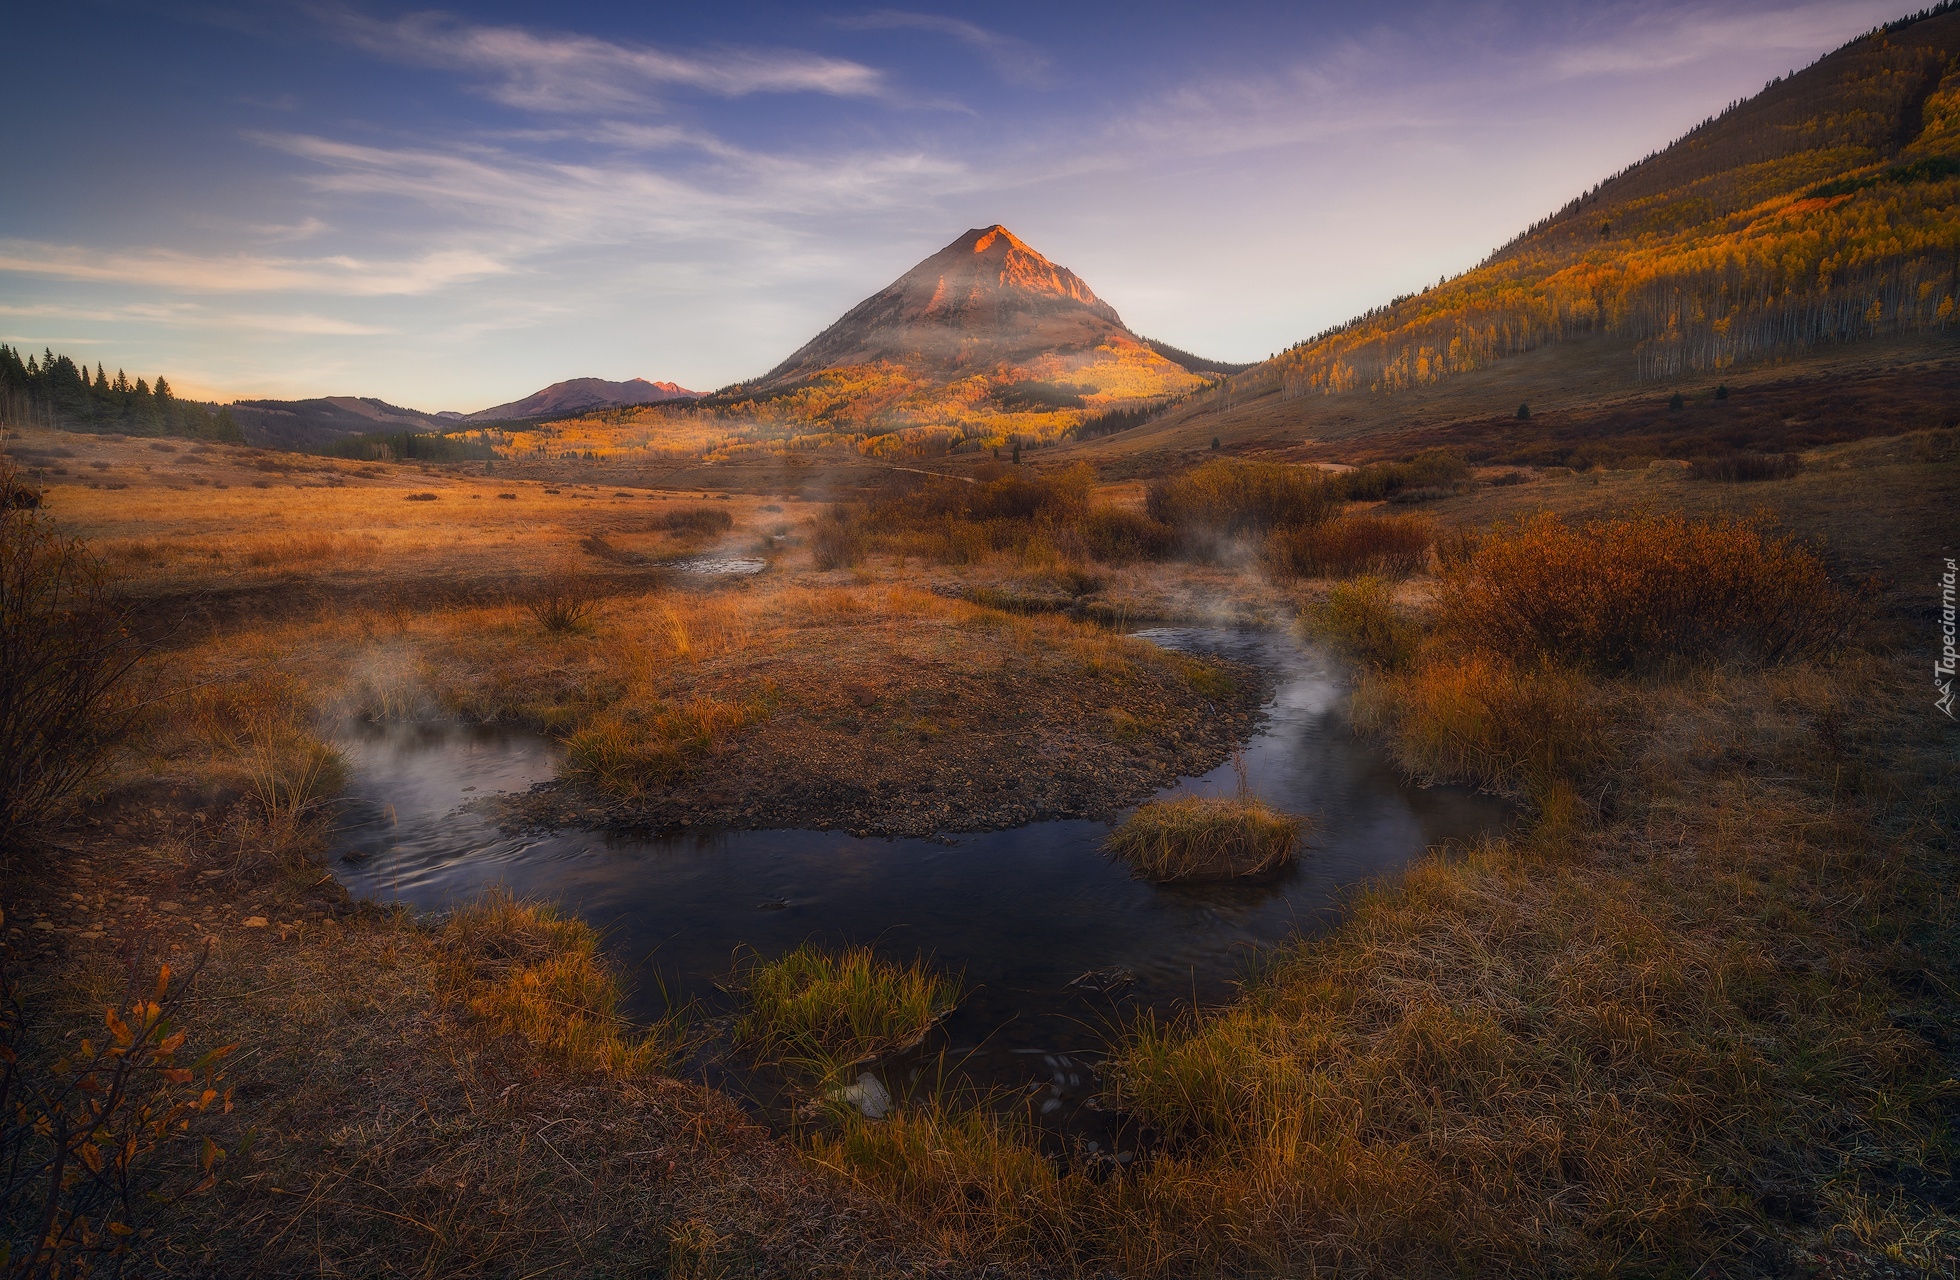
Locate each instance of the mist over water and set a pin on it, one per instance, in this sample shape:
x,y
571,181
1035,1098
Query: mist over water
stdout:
x,y
1022,914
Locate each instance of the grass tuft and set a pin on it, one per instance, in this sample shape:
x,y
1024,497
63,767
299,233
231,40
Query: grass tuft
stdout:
x,y
1204,838
533,974
841,1007
563,606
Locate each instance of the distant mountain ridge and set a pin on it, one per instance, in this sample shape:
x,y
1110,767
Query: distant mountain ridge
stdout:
x,y
325,420
582,395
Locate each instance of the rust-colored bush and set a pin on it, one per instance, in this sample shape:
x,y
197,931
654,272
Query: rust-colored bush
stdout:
x,y
1118,535
1640,591
1384,546
1229,499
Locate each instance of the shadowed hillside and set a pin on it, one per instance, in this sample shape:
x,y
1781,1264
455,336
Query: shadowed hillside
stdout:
x,y
1818,213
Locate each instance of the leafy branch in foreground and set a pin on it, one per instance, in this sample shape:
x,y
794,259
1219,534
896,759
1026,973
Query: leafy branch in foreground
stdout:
x,y
79,1133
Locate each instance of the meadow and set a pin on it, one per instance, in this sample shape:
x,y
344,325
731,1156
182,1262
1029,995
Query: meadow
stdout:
x,y
1689,1016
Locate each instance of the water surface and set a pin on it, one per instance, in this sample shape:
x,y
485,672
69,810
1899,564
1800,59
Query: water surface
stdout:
x,y
1023,914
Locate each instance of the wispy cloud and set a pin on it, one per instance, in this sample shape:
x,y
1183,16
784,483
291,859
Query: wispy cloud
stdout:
x,y
1668,36
551,72
1015,60
247,272
537,201
180,314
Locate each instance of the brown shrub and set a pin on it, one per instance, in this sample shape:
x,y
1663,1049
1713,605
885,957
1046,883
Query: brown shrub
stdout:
x,y
836,541
1384,546
1639,591
1228,499
1362,622
1118,535
64,653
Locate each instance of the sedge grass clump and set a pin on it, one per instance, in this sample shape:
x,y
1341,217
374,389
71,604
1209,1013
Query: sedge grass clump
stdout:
x,y
1204,838
1535,732
1638,592
627,748
529,973
563,605
841,1007
1384,546
975,1178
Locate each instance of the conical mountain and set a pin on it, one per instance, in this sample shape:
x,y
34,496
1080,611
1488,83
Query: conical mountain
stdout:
x,y
987,297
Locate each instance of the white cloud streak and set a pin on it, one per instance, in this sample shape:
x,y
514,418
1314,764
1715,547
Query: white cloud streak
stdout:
x,y
1014,60
247,272
567,73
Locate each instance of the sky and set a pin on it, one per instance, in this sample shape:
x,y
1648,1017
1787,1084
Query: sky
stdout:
x,y
451,208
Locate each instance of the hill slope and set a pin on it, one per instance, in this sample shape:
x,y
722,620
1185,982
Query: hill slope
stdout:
x,y
984,341
326,420
582,395
1824,210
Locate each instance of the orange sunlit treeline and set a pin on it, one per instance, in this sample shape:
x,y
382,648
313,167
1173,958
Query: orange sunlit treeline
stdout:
x,y
1813,213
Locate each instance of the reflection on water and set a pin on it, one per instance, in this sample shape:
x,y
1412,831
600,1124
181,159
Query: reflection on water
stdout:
x,y
1056,943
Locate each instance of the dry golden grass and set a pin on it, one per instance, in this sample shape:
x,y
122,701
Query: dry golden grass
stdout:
x,y
1686,1021
529,972
1204,838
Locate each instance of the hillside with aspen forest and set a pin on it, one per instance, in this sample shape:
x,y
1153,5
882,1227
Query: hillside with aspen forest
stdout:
x,y
1813,226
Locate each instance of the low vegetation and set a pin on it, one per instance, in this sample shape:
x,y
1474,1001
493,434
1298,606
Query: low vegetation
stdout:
x,y
1432,469
1205,838
1637,591
530,973
65,654
1351,546
1226,499
838,1008
1743,467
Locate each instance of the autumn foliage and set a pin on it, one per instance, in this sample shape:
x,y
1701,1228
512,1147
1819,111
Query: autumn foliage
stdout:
x,y
1640,591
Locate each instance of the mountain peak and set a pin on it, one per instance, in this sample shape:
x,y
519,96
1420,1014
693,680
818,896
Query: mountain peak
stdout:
x,y
986,294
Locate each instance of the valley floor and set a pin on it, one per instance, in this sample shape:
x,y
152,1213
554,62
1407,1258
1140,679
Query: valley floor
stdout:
x,y
1709,1029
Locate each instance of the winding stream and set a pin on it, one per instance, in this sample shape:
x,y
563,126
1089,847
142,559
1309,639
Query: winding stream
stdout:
x,y
1022,914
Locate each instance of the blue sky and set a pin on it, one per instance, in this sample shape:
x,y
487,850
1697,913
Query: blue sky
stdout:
x,y
449,208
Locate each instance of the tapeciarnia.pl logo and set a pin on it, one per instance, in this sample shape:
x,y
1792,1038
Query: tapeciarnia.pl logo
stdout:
x,y
1943,665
